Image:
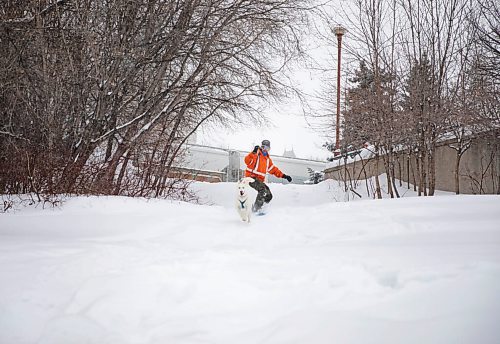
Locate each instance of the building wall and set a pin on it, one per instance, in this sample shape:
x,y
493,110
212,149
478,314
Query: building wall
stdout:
x,y
296,168
231,163
479,171
205,158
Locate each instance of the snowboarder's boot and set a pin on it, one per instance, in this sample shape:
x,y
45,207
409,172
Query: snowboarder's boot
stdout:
x,y
263,194
256,206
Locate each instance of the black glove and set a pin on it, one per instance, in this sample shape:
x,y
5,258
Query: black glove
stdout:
x,y
287,178
255,149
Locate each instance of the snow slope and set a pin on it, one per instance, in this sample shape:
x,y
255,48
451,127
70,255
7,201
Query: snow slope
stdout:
x,y
123,270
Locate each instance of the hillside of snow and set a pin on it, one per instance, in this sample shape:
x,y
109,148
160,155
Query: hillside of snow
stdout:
x,y
313,270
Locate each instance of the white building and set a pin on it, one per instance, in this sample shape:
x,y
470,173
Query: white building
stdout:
x,y
230,165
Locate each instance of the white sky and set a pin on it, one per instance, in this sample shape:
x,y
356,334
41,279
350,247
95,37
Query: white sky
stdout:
x,y
287,127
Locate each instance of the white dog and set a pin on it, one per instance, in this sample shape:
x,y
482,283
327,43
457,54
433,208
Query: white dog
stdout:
x,y
243,202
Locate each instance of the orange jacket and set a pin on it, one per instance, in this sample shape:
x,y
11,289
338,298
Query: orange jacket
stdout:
x,y
258,165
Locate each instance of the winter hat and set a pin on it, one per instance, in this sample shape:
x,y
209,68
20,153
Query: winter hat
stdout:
x,y
266,143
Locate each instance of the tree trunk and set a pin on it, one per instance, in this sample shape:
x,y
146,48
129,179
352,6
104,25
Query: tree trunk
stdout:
x,y
388,174
72,171
423,175
377,181
432,170
105,184
457,169
123,169
394,179
400,173
408,172
419,174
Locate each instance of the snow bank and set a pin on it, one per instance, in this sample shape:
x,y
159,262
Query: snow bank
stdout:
x,y
123,270
300,195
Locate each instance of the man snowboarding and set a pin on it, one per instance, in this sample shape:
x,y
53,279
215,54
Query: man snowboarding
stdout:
x,y
259,163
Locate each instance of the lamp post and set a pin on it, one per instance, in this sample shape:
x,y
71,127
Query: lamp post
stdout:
x,y
339,32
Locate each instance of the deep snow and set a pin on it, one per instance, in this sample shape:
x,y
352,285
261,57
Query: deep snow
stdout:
x,y
124,270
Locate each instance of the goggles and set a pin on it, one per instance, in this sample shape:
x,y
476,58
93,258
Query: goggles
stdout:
x,y
267,148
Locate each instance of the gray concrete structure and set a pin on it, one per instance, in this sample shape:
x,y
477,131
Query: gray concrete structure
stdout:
x,y
212,160
479,171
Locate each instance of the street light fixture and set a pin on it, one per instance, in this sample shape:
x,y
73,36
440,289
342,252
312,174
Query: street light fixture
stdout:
x,y
339,31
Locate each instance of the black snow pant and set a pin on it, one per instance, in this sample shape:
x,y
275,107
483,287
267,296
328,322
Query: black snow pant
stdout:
x,y
264,194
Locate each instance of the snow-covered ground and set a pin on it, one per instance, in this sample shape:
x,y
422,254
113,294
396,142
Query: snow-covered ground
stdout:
x,y
124,270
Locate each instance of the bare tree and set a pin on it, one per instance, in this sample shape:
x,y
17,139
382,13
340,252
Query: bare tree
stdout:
x,y
421,60
373,114
101,96
487,23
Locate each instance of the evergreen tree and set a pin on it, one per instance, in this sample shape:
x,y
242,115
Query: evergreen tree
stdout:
x,y
365,118
315,177
419,104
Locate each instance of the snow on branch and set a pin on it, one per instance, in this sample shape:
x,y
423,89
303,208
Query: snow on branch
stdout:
x,y
29,17
16,136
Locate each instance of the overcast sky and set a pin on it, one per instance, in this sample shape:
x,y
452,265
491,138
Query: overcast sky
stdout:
x,y
287,129
289,132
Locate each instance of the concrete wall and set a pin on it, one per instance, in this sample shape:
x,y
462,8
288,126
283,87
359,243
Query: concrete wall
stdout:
x,y
479,171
